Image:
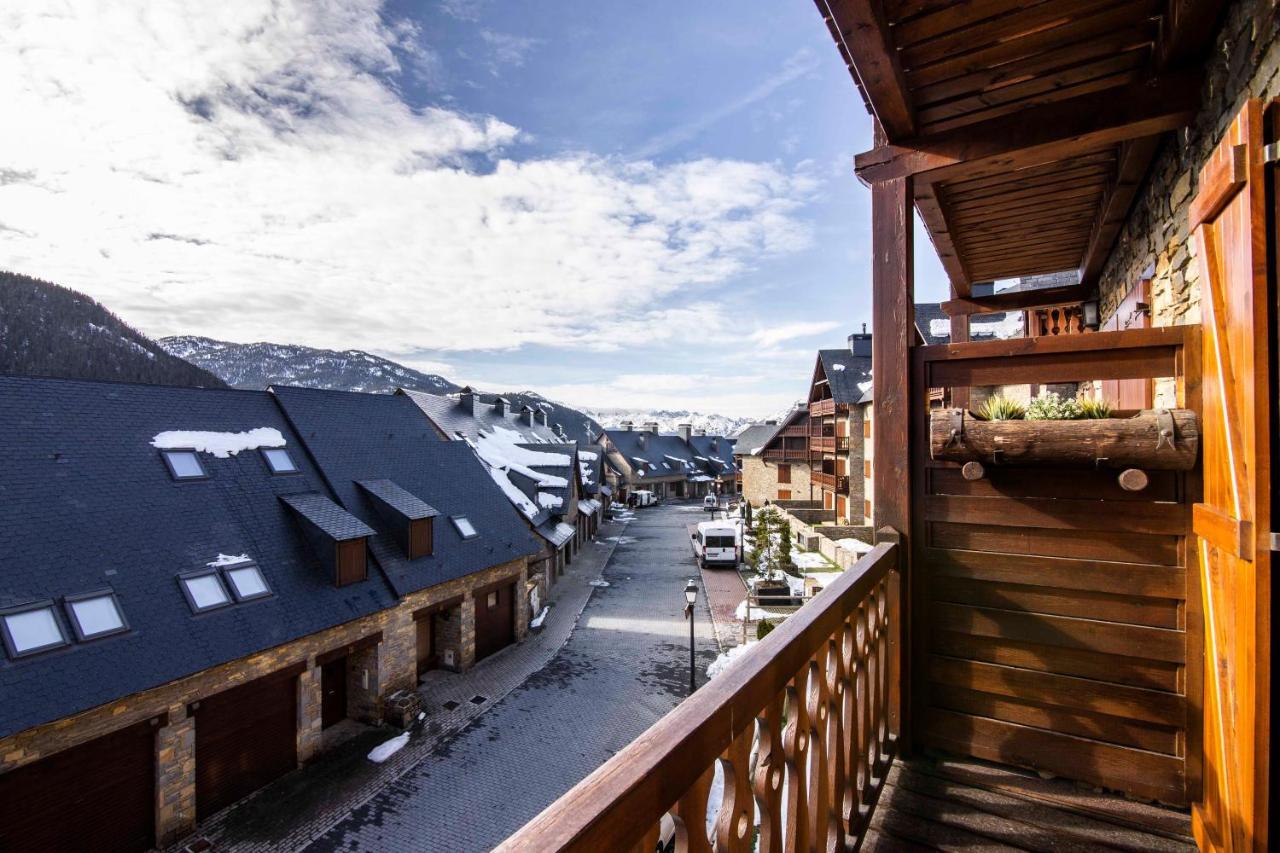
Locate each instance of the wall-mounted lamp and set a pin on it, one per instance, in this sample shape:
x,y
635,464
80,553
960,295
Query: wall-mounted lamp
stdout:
x,y
1089,310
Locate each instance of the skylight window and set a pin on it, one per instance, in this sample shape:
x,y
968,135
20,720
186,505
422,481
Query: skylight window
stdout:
x,y
184,464
31,629
204,591
465,527
247,582
279,460
95,614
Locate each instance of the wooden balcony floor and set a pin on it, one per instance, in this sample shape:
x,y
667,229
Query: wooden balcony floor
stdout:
x,y
953,804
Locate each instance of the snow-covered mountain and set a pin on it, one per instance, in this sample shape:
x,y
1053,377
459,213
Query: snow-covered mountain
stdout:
x,y
669,420
261,364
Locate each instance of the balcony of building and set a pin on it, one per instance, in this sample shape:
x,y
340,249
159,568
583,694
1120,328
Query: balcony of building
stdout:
x,y
836,483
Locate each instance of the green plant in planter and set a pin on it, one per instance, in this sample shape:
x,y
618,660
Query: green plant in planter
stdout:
x,y
1001,409
1053,407
763,627
1092,409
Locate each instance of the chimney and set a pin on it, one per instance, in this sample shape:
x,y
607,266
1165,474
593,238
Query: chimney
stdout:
x,y
770,423
860,343
526,416
715,444
685,431
467,400
626,426
560,431
500,406
699,432
652,427
642,440
541,414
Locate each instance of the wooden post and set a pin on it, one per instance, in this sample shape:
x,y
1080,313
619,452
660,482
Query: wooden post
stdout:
x,y
959,335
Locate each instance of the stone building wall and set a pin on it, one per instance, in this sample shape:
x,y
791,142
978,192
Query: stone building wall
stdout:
x,y
760,480
1155,241
391,664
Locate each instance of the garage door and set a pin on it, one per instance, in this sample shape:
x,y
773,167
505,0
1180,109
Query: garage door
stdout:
x,y
245,737
495,620
98,796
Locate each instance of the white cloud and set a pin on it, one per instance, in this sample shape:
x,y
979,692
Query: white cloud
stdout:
x,y
506,49
775,335
247,171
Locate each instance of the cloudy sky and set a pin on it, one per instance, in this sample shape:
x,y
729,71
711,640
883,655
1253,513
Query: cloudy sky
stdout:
x,y
616,203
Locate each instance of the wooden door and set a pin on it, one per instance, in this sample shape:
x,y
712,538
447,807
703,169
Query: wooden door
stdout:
x,y
245,738
99,796
1133,312
842,507
495,620
1233,230
333,692
428,641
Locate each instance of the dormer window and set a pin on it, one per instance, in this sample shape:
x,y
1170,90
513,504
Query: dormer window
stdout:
x,y
30,629
204,591
247,582
465,528
95,614
184,464
279,460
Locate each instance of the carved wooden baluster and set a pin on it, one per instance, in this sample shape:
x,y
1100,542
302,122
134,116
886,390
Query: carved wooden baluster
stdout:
x,y
866,707
837,773
882,671
795,745
770,770
691,809
648,842
875,679
818,814
849,724
737,816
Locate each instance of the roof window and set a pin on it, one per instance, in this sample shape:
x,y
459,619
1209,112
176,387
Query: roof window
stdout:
x,y
465,527
95,614
204,591
247,581
184,464
279,460
30,629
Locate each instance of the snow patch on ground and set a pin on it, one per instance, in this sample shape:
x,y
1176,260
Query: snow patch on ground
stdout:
x,y
220,444
386,749
540,618
599,582
857,546
723,660
809,560
757,613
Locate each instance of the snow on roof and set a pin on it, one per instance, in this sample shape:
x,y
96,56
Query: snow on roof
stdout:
x,y
228,560
588,454
940,328
220,444
500,451
837,367
550,501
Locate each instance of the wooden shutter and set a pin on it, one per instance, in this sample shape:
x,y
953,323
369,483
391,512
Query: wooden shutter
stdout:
x,y
352,562
1229,219
784,473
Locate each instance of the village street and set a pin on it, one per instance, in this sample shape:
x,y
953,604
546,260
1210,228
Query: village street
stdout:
x,y
624,666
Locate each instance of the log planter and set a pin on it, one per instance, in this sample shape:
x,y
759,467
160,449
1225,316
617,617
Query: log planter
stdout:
x,y
1153,439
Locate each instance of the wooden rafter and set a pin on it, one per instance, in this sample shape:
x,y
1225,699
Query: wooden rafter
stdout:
x,y
862,33
1135,159
1018,300
1039,135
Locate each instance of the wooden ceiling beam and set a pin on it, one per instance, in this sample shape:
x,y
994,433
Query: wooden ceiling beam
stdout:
x,y
1186,29
929,206
1135,158
1019,300
1039,135
861,31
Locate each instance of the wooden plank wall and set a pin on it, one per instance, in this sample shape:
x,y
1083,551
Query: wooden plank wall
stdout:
x,y
1056,624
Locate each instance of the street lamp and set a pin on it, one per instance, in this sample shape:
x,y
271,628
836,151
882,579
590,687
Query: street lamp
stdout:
x,y
691,596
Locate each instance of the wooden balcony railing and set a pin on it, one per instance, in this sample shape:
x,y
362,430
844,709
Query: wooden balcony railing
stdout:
x,y
799,431
828,443
786,454
832,482
804,726
822,408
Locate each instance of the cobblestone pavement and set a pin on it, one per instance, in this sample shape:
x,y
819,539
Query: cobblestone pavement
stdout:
x,y
725,591
624,666
294,810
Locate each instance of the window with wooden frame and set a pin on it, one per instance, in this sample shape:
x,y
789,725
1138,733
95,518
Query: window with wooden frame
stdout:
x,y
866,467
353,565
866,509
784,494
421,537
866,428
784,473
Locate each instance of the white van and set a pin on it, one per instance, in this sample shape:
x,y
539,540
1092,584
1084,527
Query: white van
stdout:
x,y
644,497
715,543
711,503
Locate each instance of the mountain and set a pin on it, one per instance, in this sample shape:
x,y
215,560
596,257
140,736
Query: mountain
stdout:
x,y
49,330
261,364
668,420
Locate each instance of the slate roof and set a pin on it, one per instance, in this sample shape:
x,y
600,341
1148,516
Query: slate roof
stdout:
x,y
357,437
88,504
591,466
393,495
719,458
753,439
848,374
453,419
930,322
667,456
331,519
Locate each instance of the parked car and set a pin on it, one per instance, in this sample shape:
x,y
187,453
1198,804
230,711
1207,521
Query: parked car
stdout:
x,y
711,503
644,497
715,543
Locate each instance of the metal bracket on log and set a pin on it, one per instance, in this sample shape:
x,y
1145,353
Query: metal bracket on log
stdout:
x,y
1166,431
956,437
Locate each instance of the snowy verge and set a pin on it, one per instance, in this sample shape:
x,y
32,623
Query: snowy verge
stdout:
x,y
386,749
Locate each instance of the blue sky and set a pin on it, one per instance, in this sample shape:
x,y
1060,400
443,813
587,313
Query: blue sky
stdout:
x,y
618,204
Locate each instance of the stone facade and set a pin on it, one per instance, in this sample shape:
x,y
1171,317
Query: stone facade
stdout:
x,y
375,671
1155,242
760,480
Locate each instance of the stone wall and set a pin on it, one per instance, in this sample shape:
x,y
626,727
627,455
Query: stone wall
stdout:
x,y
760,480
1155,241
391,666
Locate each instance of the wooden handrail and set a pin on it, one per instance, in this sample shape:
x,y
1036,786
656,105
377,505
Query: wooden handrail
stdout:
x,y
816,701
